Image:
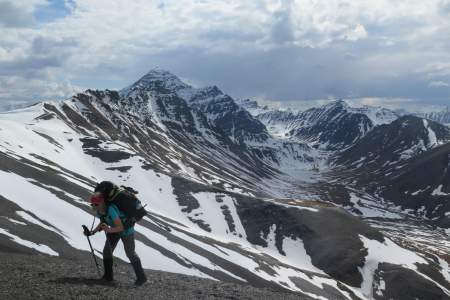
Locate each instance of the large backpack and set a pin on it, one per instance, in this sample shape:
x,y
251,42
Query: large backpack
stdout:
x,y
125,199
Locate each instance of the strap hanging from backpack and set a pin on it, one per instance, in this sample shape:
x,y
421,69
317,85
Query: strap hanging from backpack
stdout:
x,y
93,222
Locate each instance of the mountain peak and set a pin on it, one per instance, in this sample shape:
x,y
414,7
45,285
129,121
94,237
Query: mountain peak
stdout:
x,y
159,73
337,103
157,79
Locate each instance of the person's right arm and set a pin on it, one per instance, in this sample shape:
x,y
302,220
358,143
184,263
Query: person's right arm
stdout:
x,y
98,228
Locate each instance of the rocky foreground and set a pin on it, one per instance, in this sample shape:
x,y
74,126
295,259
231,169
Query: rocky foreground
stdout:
x,y
24,276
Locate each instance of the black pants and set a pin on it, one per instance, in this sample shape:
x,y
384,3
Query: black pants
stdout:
x,y
128,243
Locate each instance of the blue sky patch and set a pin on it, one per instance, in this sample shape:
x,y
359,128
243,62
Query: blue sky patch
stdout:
x,y
55,9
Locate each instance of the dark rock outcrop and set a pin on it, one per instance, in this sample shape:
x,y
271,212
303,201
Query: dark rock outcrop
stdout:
x,y
404,284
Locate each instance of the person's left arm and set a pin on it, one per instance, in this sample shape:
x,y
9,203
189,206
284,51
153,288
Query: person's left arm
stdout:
x,y
113,213
117,228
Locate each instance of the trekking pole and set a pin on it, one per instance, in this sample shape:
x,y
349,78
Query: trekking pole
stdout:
x,y
87,233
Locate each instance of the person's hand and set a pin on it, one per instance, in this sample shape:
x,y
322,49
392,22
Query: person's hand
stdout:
x,y
88,233
104,227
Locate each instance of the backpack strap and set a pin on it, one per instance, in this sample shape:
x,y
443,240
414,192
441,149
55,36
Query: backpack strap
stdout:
x,y
114,193
103,219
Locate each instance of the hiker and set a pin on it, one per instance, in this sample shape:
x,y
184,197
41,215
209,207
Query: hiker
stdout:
x,y
113,222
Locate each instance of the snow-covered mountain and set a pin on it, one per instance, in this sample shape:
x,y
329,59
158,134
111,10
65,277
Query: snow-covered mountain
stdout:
x,y
213,179
252,106
218,108
280,123
442,117
398,141
378,115
333,126
218,114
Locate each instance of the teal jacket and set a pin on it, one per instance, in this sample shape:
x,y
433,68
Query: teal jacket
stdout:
x,y
112,213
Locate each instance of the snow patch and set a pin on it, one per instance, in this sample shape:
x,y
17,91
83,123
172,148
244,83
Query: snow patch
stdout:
x,y
15,221
438,192
30,219
388,252
39,247
432,139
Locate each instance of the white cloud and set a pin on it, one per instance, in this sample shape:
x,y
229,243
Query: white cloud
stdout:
x,y
359,32
142,25
32,90
438,84
393,103
437,69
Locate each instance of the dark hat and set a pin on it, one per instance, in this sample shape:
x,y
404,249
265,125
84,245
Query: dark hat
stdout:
x,y
105,188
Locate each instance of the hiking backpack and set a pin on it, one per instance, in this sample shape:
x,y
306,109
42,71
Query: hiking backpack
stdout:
x,y
125,199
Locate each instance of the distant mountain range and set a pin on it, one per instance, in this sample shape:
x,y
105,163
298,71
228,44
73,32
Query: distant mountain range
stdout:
x,y
331,126
442,117
372,147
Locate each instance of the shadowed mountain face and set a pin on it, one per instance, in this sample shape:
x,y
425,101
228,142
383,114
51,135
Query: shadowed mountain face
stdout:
x,y
228,116
332,126
404,138
423,185
214,179
406,162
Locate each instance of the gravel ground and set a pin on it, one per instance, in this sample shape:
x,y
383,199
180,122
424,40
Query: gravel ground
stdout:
x,y
41,277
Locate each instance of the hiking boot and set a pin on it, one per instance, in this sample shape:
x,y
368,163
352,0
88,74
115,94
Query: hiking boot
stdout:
x,y
108,267
107,278
140,275
140,281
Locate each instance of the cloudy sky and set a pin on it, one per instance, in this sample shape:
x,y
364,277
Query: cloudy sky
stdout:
x,y
295,53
